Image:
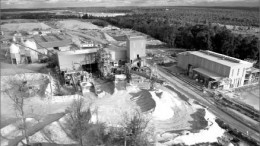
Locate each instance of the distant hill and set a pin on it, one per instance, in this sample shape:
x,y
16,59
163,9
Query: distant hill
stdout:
x,y
230,4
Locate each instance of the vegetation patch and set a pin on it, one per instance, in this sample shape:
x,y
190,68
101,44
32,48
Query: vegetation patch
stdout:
x,y
199,122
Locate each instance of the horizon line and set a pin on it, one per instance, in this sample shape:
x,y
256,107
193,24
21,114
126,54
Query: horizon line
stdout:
x,y
136,6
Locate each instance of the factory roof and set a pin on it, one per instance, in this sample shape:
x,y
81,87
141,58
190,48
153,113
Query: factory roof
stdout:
x,y
219,58
52,40
76,52
120,38
115,48
136,37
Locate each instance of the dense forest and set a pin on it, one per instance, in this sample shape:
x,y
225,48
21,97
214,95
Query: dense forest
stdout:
x,y
193,36
27,15
241,16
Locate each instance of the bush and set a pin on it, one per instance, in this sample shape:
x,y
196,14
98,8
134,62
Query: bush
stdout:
x,y
101,23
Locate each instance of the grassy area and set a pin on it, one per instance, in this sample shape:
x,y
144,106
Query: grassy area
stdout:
x,y
199,122
250,96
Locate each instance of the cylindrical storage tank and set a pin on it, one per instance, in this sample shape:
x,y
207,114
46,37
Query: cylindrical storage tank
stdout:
x,y
120,82
87,87
15,54
30,53
14,49
31,44
14,38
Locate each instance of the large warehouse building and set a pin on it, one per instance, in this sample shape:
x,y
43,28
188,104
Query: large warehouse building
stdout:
x,y
215,70
135,50
53,42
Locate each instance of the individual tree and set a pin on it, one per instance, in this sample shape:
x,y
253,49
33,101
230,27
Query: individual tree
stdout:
x,y
18,90
86,16
80,126
103,59
78,120
136,131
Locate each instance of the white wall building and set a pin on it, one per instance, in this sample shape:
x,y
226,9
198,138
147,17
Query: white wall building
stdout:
x,y
32,56
15,54
209,67
136,48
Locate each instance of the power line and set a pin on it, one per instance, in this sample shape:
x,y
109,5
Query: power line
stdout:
x,y
43,47
32,49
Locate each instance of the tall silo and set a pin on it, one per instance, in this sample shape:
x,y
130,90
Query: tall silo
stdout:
x,y
32,56
15,54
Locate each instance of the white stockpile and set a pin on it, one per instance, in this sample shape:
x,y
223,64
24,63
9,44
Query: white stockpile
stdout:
x,y
209,134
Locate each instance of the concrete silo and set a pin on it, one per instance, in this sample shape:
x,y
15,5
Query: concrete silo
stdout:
x,y
15,54
32,56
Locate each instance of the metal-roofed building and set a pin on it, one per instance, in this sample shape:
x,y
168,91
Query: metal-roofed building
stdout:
x,y
217,70
52,42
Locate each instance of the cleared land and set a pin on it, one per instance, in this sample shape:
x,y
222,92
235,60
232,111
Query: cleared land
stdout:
x,y
248,95
75,25
251,97
24,26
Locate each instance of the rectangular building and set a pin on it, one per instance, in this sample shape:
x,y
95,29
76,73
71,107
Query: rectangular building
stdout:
x,y
217,70
53,42
118,54
136,50
136,47
76,59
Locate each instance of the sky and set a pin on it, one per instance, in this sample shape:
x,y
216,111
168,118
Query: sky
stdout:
x,y
111,3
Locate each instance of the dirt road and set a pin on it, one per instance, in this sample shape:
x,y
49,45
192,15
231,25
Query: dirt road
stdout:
x,y
186,89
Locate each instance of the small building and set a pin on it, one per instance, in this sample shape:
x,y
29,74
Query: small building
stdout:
x,y
216,70
34,32
44,32
86,43
136,49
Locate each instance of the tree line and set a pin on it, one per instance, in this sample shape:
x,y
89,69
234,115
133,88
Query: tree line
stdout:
x,y
228,16
203,36
38,15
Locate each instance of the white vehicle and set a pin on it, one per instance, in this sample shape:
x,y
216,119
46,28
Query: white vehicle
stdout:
x,y
115,64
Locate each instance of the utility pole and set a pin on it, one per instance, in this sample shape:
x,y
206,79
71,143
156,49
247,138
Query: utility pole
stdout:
x,y
49,100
